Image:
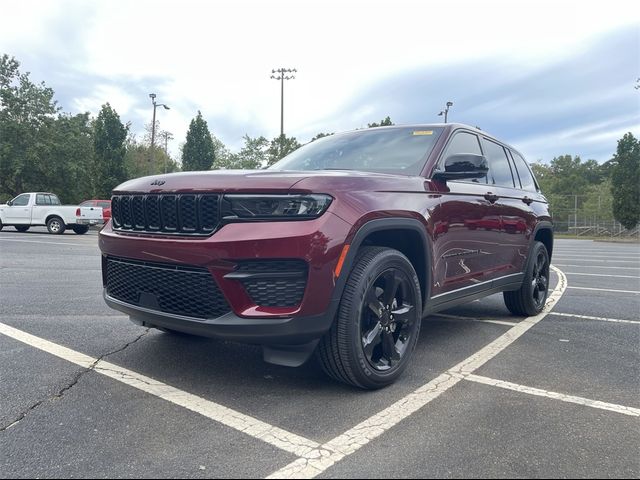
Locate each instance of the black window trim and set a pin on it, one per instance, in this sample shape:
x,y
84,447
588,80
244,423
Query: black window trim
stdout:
x,y
446,145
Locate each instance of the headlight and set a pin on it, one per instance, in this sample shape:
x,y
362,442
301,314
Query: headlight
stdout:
x,y
271,207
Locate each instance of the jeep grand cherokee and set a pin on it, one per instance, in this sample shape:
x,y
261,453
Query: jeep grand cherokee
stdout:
x,y
341,248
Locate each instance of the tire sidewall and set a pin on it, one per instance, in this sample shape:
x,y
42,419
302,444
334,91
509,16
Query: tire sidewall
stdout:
x,y
60,221
366,374
535,251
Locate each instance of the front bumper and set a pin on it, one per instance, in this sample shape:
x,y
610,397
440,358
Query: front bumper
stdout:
x,y
317,242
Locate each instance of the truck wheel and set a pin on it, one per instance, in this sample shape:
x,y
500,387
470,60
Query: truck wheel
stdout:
x,y
530,299
378,321
81,229
21,228
56,226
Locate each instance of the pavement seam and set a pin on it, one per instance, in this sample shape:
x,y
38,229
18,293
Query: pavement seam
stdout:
x,y
76,378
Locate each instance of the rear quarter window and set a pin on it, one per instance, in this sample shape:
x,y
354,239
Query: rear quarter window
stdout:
x,y
526,177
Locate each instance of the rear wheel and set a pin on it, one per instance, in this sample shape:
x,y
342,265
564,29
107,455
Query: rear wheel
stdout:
x,y
80,229
378,322
21,228
56,226
530,299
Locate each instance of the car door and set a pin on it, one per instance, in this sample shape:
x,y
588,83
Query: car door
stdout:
x,y
512,208
466,226
19,213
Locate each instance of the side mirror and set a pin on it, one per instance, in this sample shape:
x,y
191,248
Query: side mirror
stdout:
x,y
463,165
9,203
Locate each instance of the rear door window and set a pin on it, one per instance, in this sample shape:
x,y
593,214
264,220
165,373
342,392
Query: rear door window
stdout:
x,y
42,199
526,177
500,169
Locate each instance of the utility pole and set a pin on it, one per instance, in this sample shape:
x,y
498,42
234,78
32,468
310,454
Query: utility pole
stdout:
x,y
282,76
152,96
445,112
166,136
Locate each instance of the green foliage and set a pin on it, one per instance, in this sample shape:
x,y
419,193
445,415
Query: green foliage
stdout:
x,y
625,181
320,135
383,123
280,147
25,109
198,151
109,143
253,155
223,158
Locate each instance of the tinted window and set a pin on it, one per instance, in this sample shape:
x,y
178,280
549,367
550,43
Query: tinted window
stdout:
x,y
104,204
464,142
400,150
54,200
21,200
526,178
499,167
42,199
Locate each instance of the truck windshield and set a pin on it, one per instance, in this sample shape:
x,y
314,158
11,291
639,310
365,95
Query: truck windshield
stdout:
x,y
399,150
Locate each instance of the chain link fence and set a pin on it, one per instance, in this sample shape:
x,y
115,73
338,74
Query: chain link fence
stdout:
x,y
588,216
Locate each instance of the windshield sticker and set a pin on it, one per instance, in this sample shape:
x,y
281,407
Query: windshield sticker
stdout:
x,y
423,132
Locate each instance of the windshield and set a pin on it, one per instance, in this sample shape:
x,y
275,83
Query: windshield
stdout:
x,y
401,150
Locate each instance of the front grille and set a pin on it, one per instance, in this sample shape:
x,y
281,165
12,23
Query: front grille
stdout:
x,y
175,289
274,283
182,214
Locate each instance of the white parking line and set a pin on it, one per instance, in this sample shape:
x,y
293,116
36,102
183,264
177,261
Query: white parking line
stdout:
x,y
471,319
590,259
313,464
634,412
253,427
597,266
602,319
605,290
602,275
47,243
615,256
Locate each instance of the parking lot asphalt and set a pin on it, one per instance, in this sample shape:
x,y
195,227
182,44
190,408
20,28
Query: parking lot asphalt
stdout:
x,y
84,392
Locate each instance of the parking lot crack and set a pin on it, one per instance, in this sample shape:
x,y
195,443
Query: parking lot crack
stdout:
x,y
74,381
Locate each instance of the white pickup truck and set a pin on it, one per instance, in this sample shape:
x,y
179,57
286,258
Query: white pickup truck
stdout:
x,y
41,208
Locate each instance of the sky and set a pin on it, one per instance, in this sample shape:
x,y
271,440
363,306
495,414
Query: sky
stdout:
x,y
549,78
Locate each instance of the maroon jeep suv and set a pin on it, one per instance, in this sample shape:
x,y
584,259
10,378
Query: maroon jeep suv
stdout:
x,y
341,248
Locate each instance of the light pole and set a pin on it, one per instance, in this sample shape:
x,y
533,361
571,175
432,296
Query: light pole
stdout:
x,y
445,112
153,126
282,77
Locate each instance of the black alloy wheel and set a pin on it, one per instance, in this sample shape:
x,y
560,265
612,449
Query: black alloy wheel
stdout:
x,y
388,323
378,322
531,297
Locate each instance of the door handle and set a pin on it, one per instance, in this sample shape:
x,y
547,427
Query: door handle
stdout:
x,y
492,197
527,200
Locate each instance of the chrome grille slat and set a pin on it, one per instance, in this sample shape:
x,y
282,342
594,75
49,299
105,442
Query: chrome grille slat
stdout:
x,y
169,213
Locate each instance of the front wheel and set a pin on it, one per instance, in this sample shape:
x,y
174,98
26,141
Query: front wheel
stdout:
x,y
80,229
56,226
21,228
378,322
530,299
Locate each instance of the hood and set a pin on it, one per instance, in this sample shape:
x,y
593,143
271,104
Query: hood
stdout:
x,y
268,181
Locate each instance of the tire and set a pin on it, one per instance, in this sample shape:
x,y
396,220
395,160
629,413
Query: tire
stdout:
x,y
378,322
530,299
80,229
56,226
21,228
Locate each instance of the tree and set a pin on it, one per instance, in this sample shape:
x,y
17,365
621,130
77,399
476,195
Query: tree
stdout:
x,y
383,123
280,147
320,135
223,158
25,108
625,181
253,155
109,142
198,151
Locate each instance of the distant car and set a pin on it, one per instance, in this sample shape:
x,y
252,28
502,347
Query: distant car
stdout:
x,y
104,204
43,208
